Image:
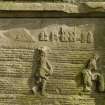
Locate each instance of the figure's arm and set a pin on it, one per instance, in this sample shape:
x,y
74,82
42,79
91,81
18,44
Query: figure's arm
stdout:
x,y
49,67
84,76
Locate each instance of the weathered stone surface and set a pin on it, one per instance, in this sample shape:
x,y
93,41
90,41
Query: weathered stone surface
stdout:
x,y
38,6
84,7
72,42
68,1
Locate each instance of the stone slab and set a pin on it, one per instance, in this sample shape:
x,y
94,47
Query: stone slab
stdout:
x,y
84,7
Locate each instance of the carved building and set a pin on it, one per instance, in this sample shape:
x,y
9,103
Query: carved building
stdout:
x,y
73,32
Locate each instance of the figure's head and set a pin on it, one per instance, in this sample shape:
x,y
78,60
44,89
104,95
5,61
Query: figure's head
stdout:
x,y
43,51
95,56
93,61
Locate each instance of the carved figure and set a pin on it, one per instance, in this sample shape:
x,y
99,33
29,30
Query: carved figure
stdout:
x,y
64,36
71,36
89,37
83,37
44,70
91,77
43,36
54,36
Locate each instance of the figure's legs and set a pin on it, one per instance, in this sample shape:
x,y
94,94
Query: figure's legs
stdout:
x,y
88,86
43,86
34,90
87,83
36,86
100,84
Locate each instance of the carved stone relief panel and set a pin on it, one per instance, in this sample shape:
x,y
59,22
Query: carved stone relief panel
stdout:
x,y
71,43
